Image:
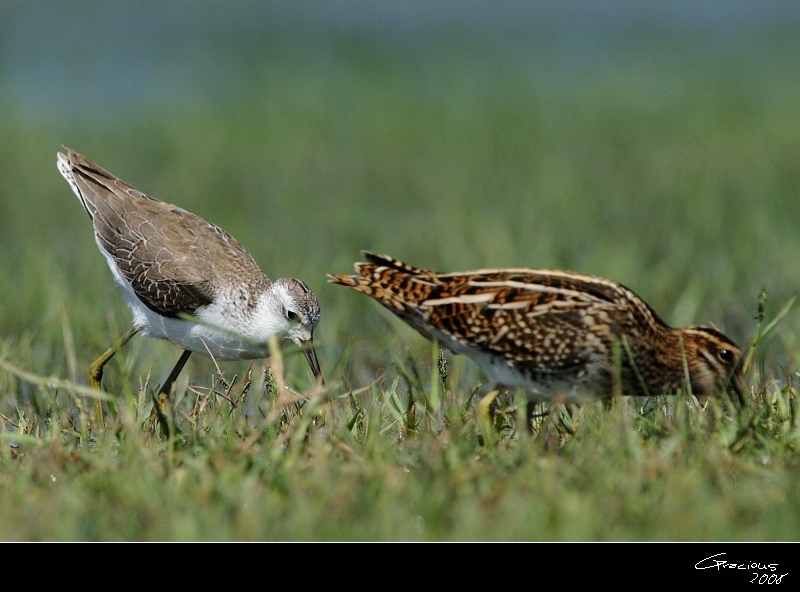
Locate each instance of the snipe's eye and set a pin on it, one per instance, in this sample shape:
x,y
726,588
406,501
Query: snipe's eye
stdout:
x,y
292,316
726,356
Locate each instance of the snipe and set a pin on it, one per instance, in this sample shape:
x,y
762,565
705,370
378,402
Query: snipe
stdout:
x,y
556,335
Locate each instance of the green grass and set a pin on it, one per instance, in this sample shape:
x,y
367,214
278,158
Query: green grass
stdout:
x,y
671,168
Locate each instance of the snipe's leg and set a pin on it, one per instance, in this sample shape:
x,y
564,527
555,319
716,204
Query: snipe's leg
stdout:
x,y
530,409
161,402
96,374
485,413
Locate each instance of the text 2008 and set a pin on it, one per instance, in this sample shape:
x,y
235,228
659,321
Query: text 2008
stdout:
x,y
767,578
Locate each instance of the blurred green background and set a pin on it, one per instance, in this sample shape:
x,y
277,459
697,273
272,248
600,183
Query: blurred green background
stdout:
x,y
656,144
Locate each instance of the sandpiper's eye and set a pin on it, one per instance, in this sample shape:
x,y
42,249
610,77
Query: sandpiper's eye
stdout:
x,y
726,356
292,316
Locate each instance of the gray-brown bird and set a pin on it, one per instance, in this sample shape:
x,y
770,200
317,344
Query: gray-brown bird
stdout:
x,y
185,279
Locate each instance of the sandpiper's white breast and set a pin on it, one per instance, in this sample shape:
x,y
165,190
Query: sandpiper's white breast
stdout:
x,y
221,329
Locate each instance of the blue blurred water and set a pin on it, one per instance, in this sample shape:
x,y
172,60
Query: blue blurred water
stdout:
x,y
57,56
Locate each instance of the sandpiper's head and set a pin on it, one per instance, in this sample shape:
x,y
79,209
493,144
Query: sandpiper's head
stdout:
x,y
301,311
714,361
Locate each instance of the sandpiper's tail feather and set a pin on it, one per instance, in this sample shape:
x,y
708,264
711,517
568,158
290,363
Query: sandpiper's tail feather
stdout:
x,y
92,183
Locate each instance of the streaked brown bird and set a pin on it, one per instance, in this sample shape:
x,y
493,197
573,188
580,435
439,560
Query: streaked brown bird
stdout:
x,y
185,279
556,335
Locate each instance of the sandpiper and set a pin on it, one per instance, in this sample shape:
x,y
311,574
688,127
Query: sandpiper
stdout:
x,y
554,334
185,279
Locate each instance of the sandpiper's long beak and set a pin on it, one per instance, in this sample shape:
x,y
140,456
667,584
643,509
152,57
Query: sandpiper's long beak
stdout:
x,y
311,356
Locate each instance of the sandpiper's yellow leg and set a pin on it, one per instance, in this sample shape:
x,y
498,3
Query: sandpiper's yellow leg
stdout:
x,y
96,375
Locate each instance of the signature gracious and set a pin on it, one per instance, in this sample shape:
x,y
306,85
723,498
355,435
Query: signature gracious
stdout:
x,y
763,573
712,562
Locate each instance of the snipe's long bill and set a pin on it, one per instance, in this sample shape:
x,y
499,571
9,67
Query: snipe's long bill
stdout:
x,y
557,335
